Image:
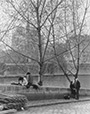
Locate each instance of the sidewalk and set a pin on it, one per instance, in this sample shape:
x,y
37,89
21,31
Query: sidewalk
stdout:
x,y
40,103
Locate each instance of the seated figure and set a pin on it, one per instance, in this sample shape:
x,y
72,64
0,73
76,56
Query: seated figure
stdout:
x,y
25,82
30,82
20,81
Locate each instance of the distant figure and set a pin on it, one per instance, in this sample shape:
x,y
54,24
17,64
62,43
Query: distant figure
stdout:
x,y
77,87
72,88
29,80
35,86
25,82
20,81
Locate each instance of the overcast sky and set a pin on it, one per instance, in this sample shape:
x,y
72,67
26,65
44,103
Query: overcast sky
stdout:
x,y
4,18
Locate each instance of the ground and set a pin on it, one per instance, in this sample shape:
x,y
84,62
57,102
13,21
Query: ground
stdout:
x,y
69,108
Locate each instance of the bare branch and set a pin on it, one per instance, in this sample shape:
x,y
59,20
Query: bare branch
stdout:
x,y
64,51
84,48
42,9
52,12
33,4
49,33
20,53
78,59
67,34
7,28
14,61
22,15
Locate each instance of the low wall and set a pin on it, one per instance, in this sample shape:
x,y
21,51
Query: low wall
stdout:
x,y
42,93
51,80
32,94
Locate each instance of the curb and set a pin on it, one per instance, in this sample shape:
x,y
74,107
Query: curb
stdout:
x,y
8,111
56,103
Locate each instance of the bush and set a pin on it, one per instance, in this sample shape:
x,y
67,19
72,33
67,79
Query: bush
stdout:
x,y
14,102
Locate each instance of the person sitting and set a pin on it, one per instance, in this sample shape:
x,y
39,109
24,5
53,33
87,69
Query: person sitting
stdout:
x,y
30,82
20,81
25,82
35,86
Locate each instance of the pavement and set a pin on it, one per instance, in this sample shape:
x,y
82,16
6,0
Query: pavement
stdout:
x,y
40,103
50,102
72,106
43,103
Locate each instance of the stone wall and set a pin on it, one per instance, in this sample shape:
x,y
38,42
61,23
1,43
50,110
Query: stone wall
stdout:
x,y
51,80
41,94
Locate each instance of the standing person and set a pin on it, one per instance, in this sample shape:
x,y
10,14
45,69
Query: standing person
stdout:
x,y
77,86
72,88
29,80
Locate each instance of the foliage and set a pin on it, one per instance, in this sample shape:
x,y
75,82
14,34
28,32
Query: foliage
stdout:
x,y
14,102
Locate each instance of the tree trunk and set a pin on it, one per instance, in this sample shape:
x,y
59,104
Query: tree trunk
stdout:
x,y
40,75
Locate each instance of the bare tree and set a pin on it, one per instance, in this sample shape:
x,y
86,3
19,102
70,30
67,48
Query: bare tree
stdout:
x,y
54,21
72,27
37,13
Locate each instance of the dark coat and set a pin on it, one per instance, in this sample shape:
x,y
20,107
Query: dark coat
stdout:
x,y
77,85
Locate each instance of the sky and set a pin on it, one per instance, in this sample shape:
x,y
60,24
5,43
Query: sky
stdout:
x,y
4,19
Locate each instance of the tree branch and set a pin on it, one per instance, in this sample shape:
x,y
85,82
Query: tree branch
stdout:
x,y
22,15
19,52
64,51
51,12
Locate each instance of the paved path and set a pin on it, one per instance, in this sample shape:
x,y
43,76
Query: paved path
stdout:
x,y
69,108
